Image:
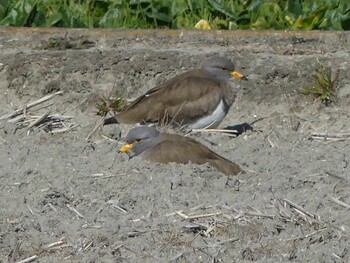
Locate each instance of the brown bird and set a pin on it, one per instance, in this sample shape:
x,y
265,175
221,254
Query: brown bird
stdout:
x,y
158,147
197,99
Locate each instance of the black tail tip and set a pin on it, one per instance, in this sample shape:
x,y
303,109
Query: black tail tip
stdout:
x,y
110,120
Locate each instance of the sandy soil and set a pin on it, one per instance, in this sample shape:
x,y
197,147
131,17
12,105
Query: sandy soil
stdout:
x,y
66,199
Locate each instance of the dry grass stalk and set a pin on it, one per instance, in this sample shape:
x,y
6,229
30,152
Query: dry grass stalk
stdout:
x,y
339,202
30,259
108,138
87,246
52,207
282,212
50,123
307,236
91,226
178,256
231,133
104,175
115,204
180,213
59,247
54,244
75,211
30,105
259,214
191,209
184,215
271,142
173,213
97,126
66,129
325,136
300,209
205,215
209,229
335,175
234,239
336,256
31,211
38,120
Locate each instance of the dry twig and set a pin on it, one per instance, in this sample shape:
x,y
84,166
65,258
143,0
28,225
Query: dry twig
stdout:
x,y
180,213
232,133
54,244
300,209
258,214
337,201
115,204
178,256
30,259
306,236
75,211
234,239
30,105
98,125
335,175
326,136
51,123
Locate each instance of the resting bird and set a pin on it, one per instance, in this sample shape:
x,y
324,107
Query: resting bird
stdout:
x,y
196,99
158,147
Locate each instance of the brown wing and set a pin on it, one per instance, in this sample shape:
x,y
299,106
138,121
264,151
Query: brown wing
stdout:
x,y
178,149
183,99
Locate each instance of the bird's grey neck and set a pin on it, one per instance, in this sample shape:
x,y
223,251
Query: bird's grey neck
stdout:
x,y
216,72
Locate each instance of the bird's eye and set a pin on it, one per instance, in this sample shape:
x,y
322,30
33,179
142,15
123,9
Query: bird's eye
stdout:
x,y
224,68
138,140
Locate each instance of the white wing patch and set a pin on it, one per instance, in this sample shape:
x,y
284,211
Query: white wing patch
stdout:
x,y
211,120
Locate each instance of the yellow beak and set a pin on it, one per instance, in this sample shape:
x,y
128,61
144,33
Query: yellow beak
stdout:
x,y
238,75
127,147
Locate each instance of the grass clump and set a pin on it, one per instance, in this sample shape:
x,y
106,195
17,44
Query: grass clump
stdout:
x,y
323,84
105,104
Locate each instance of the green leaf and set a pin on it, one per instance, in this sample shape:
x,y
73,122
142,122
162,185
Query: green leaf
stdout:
x,y
4,4
110,19
345,23
270,15
19,13
53,19
69,18
295,7
218,7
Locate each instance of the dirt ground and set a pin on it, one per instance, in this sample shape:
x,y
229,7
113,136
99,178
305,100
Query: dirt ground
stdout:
x,y
68,199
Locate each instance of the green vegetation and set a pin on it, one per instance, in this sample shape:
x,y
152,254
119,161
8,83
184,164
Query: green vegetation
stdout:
x,y
323,84
221,14
106,104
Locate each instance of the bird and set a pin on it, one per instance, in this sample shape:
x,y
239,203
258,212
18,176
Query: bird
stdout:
x,y
199,98
154,146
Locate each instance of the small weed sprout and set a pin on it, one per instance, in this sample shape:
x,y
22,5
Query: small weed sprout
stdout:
x,y
105,104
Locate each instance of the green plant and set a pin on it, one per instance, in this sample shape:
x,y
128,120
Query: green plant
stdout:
x,y
221,14
106,104
323,84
